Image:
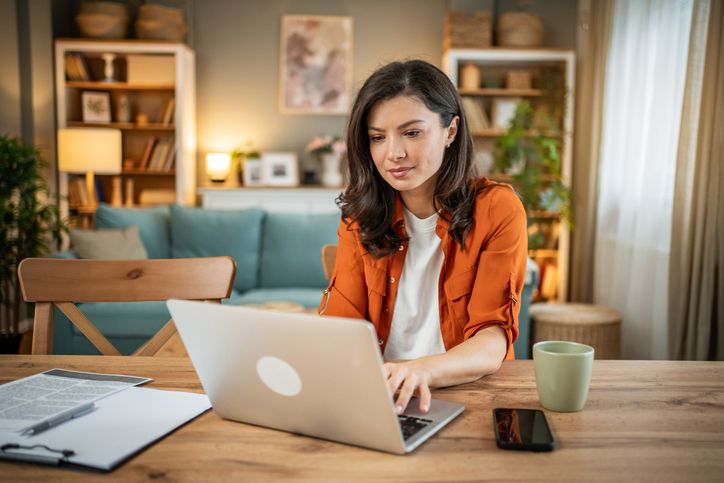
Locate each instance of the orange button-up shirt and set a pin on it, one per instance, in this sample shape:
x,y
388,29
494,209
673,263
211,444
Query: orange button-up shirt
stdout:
x,y
479,286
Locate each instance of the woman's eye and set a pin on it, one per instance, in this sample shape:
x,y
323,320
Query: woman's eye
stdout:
x,y
376,139
412,134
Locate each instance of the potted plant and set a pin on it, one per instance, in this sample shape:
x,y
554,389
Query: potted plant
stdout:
x,y
239,157
30,221
528,155
330,150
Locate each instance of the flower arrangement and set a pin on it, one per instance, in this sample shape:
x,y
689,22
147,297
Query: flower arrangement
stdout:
x,y
327,144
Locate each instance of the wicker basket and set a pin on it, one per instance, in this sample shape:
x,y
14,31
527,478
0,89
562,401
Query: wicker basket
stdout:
x,y
518,79
158,22
103,20
519,29
597,326
461,31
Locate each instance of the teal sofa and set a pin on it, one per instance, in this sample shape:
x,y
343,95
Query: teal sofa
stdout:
x,y
277,257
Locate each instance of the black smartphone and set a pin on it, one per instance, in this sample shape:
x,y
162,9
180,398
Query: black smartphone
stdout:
x,y
525,429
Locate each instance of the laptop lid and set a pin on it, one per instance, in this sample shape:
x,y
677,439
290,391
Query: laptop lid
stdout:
x,y
311,375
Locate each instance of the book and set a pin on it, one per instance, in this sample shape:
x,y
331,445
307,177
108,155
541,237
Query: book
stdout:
x,y
168,164
160,151
167,116
82,71
476,114
147,153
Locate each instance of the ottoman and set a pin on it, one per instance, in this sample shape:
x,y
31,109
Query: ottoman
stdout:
x,y
593,325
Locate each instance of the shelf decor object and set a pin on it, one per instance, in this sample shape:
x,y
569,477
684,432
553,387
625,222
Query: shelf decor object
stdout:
x,y
217,166
89,151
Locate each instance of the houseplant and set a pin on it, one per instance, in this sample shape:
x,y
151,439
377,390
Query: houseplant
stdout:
x,y
30,221
528,154
240,155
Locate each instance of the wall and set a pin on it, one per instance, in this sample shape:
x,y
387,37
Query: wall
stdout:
x,y
10,119
237,60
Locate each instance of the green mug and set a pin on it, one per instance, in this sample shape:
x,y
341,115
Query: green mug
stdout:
x,y
562,374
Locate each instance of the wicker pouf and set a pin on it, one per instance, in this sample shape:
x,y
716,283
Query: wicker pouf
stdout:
x,y
597,326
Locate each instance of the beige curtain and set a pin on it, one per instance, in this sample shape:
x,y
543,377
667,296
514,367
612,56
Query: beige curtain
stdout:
x,y
587,146
696,263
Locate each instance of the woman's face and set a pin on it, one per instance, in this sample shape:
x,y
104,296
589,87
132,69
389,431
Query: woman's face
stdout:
x,y
407,144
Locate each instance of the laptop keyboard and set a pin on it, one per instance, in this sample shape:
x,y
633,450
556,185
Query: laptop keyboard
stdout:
x,y
411,425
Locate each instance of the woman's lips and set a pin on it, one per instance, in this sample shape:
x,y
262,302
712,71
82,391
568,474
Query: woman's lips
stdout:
x,y
400,172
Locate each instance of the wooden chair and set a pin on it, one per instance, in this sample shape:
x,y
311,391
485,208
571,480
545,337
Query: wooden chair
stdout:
x,y
329,258
53,282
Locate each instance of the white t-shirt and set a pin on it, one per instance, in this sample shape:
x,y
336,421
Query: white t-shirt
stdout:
x,y
415,327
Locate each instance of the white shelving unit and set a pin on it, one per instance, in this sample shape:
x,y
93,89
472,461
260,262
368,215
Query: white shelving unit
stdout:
x,y
492,63
145,99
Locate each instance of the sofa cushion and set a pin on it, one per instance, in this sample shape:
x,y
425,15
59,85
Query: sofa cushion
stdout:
x,y
291,249
109,244
198,232
152,223
310,298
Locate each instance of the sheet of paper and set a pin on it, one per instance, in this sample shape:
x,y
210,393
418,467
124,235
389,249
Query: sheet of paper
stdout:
x,y
120,426
34,399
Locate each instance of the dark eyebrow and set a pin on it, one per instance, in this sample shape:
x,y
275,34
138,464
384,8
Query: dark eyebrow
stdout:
x,y
401,126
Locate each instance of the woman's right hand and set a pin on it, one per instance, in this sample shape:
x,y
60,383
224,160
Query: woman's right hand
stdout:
x,y
411,380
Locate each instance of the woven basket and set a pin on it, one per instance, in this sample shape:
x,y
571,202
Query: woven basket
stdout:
x,y
103,20
518,79
519,29
593,325
461,31
158,22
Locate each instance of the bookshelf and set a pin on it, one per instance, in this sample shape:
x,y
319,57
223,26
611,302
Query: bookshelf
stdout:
x,y
162,92
494,65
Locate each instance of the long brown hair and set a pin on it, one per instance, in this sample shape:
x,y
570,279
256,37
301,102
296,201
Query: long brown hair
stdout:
x,y
370,200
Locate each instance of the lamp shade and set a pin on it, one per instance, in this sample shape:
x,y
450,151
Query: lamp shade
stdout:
x,y
217,165
82,150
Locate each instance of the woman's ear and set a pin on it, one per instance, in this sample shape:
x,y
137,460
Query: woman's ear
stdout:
x,y
452,130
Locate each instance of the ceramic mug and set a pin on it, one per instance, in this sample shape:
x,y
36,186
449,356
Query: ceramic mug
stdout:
x,y
562,374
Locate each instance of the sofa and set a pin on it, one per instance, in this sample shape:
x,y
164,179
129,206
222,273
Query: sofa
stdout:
x,y
277,257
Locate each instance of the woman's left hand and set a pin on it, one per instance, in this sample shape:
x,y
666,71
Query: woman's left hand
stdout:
x,y
411,380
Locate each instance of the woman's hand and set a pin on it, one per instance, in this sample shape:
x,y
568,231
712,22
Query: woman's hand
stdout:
x,y
411,380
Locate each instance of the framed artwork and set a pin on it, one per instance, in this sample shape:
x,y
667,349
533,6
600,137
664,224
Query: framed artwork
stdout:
x,y
253,174
96,106
503,111
315,64
280,169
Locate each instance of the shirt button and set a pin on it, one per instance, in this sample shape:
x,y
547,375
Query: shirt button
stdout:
x,y
381,342
387,311
392,279
401,248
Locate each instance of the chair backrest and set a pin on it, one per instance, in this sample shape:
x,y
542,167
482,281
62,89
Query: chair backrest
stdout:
x,y
59,282
329,258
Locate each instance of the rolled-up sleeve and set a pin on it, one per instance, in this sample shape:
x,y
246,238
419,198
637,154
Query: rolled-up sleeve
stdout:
x,y
500,274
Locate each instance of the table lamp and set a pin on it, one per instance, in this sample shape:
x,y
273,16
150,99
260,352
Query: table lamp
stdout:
x,y
217,166
89,151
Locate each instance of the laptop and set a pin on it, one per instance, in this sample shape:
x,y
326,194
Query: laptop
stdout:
x,y
301,373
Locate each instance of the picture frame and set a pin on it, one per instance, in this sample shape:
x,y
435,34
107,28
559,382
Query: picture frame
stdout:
x,y
280,169
253,173
315,64
96,107
503,110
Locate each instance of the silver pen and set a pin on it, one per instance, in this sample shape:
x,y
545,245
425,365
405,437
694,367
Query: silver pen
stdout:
x,y
76,413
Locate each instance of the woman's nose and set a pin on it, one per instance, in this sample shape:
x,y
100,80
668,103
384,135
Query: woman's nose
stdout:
x,y
395,150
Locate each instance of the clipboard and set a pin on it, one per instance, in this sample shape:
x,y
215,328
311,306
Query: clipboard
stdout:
x,y
121,426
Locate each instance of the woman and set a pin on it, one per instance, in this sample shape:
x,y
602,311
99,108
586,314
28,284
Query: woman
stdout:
x,y
432,256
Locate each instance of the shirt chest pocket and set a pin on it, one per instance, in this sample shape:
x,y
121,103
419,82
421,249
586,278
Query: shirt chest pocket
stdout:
x,y
376,281
458,290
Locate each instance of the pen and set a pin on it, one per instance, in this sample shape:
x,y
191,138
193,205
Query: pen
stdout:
x,y
76,413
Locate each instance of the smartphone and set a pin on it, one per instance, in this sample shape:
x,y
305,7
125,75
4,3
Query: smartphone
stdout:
x,y
525,429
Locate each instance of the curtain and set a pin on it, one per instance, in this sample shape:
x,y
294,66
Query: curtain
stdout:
x,y
643,94
696,277
595,34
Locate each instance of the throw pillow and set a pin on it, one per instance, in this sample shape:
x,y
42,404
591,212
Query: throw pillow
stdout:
x,y
123,244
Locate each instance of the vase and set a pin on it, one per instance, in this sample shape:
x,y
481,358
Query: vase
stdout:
x,y
331,173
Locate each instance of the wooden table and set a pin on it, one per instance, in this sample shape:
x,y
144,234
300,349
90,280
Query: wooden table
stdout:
x,y
643,421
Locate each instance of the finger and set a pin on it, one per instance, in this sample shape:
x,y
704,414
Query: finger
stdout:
x,y
387,368
406,392
397,377
425,396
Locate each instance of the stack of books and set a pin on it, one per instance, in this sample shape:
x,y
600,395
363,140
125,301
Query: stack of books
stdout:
x,y
160,155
